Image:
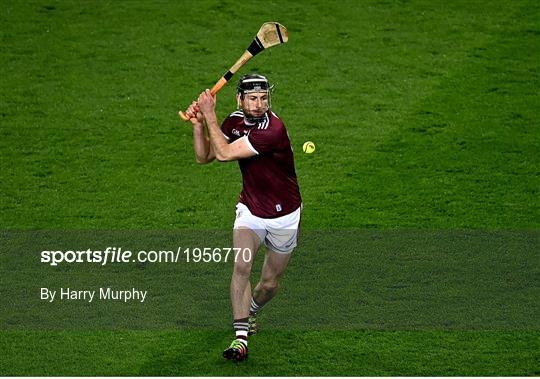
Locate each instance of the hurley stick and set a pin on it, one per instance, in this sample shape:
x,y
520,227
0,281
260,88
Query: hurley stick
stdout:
x,y
270,34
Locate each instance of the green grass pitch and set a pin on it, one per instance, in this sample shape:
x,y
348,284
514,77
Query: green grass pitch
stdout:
x,y
425,119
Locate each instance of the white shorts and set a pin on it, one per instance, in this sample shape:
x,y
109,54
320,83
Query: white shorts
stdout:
x,y
278,234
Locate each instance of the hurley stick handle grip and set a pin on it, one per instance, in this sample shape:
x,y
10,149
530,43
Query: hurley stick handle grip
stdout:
x,y
184,116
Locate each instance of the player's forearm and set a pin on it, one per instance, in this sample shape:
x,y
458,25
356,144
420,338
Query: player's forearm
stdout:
x,y
218,142
201,145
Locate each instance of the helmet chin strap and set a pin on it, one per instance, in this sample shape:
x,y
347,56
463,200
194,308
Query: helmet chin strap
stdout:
x,y
250,119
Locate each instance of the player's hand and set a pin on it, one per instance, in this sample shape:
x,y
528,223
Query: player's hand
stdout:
x,y
207,103
194,114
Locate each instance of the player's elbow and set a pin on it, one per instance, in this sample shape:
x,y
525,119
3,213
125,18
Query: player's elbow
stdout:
x,y
223,157
202,160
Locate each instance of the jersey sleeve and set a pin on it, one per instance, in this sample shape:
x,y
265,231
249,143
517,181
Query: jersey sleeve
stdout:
x,y
268,140
226,128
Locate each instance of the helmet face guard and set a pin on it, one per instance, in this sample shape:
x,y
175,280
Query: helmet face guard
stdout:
x,y
253,83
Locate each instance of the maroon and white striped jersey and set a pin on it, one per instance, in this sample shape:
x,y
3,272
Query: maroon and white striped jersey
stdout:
x,y
270,188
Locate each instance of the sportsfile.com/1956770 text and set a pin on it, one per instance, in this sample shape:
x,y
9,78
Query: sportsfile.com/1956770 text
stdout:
x,y
119,255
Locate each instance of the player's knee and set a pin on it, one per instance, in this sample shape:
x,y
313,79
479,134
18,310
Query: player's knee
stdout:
x,y
242,268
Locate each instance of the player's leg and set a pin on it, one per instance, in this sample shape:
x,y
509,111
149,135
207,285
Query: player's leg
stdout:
x,y
246,243
273,269
281,240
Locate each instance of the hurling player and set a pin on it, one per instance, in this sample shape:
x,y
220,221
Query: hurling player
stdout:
x,y
269,206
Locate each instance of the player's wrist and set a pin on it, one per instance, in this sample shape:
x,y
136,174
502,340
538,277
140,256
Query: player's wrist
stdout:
x,y
211,119
198,127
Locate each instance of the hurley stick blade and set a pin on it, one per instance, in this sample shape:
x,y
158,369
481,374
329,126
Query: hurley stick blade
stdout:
x,y
270,34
